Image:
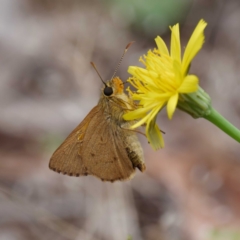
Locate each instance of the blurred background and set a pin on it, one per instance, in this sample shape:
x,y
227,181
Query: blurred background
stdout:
x,y
191,189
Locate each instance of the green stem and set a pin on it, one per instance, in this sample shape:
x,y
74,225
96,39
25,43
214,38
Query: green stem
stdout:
x,y
218,120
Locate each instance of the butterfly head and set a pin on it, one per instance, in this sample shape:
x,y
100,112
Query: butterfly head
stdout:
x,y
114,86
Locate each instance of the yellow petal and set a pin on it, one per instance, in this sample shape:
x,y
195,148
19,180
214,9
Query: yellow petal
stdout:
x,y
158,95
161,46
190,84
155,137
175,43
138,113
152,131
142,74
171,105
146,73
178,73
147,118
140,123
194,45
132,70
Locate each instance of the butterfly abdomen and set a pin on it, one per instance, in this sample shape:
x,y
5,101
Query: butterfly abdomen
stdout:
x,y
134,151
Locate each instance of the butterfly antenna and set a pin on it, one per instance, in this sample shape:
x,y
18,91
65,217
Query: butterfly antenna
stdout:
x,y
125,50
98,73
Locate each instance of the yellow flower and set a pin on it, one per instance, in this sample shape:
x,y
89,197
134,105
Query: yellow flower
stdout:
x,y
163,79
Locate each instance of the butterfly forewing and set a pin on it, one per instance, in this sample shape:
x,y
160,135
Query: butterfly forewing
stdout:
x,y
93,149
66,158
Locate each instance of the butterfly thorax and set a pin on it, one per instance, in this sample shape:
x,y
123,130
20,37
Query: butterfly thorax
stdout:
x,y
118,103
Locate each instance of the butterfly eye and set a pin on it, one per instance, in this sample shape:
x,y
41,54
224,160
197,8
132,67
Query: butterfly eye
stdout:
x,y
108,91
